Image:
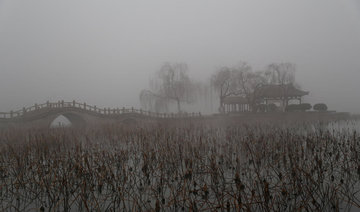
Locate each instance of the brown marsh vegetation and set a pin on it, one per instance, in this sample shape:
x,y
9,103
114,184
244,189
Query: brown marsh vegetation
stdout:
x,y
195,167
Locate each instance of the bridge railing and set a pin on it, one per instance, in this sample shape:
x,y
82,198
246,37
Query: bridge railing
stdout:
x,y
93,109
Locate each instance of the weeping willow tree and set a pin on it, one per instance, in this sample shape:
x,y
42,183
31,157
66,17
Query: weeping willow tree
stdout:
x,y
153,102
170,85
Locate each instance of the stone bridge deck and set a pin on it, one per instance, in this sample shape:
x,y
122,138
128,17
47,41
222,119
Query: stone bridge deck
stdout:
x,y
80,114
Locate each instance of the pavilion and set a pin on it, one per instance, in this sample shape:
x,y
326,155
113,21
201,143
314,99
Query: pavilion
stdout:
x,y
280,95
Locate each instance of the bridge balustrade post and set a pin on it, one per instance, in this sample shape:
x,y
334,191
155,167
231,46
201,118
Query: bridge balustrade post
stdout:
x,y
104,110
95,108
62,103
132,109
59,103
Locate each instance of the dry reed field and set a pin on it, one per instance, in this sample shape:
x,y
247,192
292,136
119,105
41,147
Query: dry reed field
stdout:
x,y
194,167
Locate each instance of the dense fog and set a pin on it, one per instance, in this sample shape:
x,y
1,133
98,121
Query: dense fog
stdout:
x,y
105,52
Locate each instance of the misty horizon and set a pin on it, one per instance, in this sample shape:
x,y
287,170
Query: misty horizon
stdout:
x,y
105,53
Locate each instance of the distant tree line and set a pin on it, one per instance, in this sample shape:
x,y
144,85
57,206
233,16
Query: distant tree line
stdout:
x,y
172,85
242,80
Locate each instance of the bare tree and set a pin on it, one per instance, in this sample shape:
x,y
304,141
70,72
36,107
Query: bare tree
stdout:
x,y
172,83
280,73
249,83
224,84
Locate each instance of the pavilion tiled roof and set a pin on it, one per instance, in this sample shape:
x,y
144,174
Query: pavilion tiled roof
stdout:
x,y
279,91
269,92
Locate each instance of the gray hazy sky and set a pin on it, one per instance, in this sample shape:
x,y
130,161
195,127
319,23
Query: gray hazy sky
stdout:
x,y
104,52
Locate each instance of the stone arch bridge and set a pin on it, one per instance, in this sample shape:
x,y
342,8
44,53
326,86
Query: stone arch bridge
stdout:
x,y
81,114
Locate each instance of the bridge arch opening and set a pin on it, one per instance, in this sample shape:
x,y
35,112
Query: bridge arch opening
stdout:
x,y
60,121
68,120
